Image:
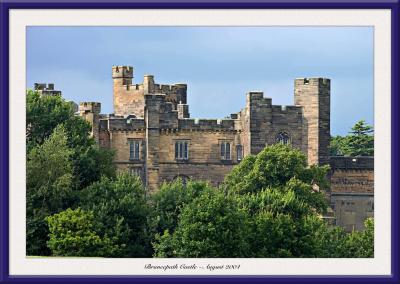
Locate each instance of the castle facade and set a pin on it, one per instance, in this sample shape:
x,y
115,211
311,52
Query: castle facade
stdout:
x,y
155,137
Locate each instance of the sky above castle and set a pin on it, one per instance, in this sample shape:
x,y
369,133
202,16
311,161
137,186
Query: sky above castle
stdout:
x,y
219,64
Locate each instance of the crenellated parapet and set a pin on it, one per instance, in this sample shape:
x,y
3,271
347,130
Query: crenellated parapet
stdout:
x,y
89,107
46,89
129,98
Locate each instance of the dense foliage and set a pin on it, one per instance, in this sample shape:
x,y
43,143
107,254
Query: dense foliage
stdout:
x,y
49,187
62,159
72,233
270,205
359,142
121,213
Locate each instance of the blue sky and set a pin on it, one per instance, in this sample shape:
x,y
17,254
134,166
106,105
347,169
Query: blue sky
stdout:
x,y
219,64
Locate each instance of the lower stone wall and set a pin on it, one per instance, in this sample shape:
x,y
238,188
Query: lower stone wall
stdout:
x,y
351,210
352,191
352,180
212,173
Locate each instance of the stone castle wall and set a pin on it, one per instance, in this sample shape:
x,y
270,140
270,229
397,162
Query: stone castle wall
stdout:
x,y
352,190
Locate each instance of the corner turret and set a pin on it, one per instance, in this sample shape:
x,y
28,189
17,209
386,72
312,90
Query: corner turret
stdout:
x,y
90,111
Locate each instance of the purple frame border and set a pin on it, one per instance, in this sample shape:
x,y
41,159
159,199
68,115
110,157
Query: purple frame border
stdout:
x,y
6,5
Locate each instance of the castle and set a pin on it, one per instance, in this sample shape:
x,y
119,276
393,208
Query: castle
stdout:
x,y
155,138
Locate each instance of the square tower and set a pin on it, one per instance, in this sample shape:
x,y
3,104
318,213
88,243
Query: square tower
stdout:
x,y
314,96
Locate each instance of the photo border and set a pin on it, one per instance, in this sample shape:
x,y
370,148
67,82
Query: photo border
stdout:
x,y
263,4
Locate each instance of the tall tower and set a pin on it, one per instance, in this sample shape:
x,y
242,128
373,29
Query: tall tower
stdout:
x,y
122,77
314,95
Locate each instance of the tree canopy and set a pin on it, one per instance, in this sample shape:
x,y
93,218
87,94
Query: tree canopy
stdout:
x,y
72,233
359,142
121,213
62,158
258,212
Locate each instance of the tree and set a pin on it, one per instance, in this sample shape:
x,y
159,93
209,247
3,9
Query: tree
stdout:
x,y
212,225
121,213
275,166
72,234
270,200
61,157
337,145
90,162
49,187
169,200
44,114
360,244
359,142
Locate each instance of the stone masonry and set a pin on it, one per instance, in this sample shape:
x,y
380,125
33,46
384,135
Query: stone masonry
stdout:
x,y
154,136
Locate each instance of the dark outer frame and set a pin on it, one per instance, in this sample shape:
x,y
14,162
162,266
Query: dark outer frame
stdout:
x,y
6,5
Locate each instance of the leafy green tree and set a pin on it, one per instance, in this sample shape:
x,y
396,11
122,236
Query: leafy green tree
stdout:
x,y
212,225
72,233
90,162
44,114
359,142
276,165
49,187
360,243
273,198
120,213
284,199
170,199
337,145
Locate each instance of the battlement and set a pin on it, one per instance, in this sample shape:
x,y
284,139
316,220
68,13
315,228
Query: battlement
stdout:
x,y
285,109
44,86
363,162
120,123
122,72
46,89
258,97
158,96
207,124
85,107
312,82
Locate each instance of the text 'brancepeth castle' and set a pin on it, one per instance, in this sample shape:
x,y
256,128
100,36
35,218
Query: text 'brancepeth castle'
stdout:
x,y
155,138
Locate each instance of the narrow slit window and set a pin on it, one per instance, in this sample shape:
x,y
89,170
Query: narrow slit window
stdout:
x,y
239,152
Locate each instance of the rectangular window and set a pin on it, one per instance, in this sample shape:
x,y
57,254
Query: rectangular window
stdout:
x,y
182,150
134,149
225,150
239,152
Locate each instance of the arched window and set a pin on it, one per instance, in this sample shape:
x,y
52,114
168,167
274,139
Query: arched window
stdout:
x,y
283,138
